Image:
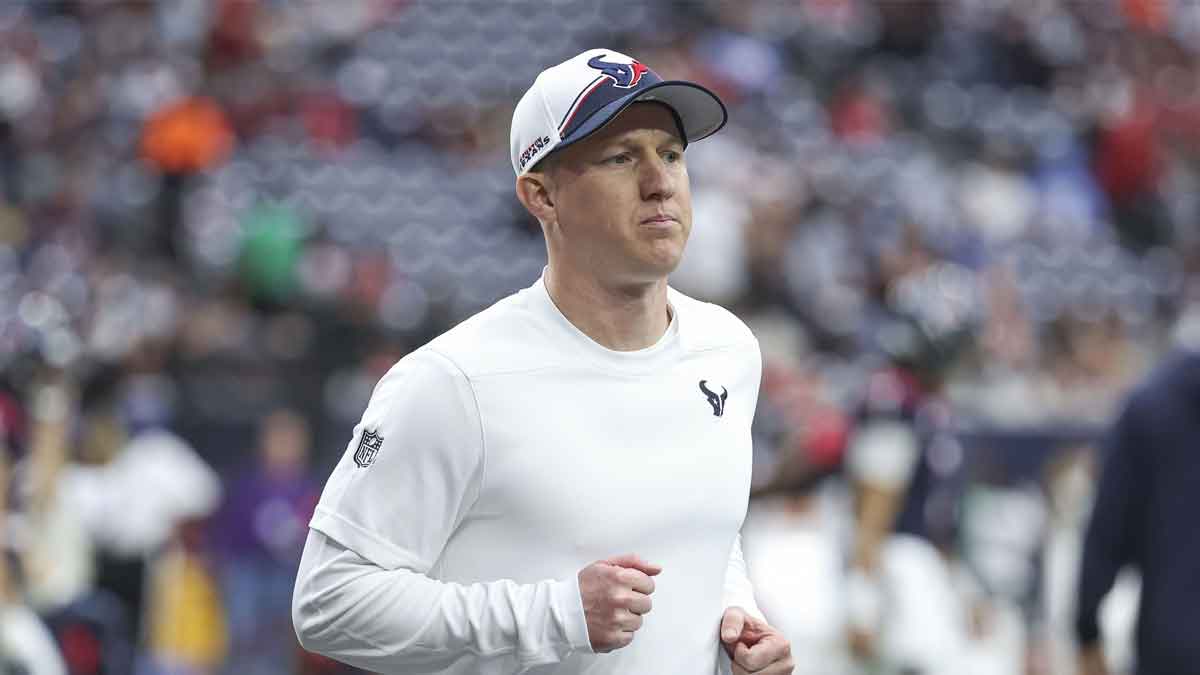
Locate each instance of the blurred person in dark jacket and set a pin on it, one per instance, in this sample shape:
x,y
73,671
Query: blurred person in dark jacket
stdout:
x,y
1145,516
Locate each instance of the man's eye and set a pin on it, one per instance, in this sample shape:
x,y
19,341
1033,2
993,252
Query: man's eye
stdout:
x,y
622,158
671,156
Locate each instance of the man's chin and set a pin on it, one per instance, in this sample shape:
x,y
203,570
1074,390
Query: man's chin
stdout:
x,y
663,258
659,266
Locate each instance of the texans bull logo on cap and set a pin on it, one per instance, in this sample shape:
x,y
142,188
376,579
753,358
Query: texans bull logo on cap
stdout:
x,y
624,75
619,77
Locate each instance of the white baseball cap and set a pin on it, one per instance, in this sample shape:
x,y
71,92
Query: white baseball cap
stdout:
x,y
574,99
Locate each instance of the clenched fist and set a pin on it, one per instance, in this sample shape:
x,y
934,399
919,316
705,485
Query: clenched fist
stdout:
x,y
753,645
616,594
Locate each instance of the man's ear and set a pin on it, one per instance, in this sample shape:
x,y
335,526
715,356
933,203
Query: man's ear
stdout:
x,y
534,192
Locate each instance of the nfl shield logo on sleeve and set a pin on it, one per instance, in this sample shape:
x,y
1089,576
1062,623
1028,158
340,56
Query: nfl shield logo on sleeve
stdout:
x,y
368,447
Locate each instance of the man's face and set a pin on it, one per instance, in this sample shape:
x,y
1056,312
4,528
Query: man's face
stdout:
x,y
622,199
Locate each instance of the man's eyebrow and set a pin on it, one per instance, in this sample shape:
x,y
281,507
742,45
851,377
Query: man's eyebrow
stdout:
x,y
626,140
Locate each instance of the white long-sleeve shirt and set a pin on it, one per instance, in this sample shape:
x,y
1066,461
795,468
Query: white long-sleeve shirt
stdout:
x,y
516,451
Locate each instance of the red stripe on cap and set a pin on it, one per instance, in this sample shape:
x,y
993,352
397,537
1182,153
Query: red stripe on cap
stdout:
x,y
579,102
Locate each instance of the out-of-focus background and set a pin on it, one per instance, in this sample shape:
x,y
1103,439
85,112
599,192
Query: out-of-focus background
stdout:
x,y
221,221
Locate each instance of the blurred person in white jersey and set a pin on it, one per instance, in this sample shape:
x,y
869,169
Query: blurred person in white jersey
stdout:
x,y
521,487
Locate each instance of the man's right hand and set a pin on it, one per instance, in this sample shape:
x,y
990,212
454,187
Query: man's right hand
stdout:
x,y
616,594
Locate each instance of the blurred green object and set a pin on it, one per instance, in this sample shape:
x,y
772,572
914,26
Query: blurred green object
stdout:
x,y
271,244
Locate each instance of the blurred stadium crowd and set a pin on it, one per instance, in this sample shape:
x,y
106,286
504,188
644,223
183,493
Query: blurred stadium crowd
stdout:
x,y
221,222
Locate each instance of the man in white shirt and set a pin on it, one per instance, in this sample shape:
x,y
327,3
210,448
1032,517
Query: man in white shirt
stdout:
x,y
520,487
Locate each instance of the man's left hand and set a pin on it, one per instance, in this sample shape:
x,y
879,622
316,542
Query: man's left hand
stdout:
x,y
753,645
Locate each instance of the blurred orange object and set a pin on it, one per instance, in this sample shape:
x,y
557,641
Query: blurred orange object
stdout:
x,y
186,136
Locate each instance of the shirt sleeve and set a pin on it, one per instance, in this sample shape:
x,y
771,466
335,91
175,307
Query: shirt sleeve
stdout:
x,y
412,468
1109,542
739,592
410,473
401,621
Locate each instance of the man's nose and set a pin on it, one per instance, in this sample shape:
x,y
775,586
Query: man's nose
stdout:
x,y
657,180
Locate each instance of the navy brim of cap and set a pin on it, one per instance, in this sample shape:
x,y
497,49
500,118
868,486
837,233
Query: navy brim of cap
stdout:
x,y
699,112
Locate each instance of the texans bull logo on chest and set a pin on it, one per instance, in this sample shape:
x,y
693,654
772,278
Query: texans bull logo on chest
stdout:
x,y
717,401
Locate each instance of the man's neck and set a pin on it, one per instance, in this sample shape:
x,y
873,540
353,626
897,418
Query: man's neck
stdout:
x,y
619,317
